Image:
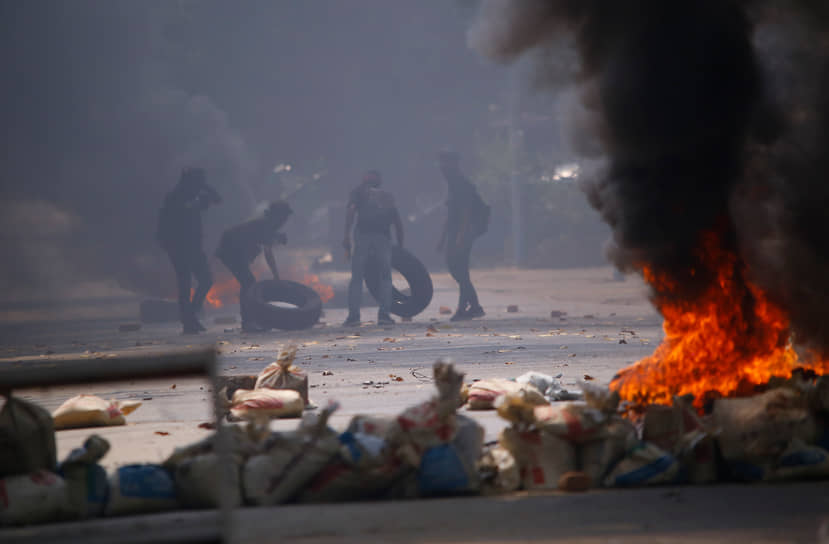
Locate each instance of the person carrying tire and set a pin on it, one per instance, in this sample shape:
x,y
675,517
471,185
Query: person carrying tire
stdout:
x,y
240,245
467,219
179,233
376,213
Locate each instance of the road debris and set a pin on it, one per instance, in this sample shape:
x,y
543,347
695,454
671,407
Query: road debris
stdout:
x,y
92,411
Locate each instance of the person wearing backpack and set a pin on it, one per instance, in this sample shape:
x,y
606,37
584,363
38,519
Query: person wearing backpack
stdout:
x,y
375,213
467,219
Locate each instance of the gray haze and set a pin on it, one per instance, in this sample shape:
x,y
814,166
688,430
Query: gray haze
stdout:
x,y
104,102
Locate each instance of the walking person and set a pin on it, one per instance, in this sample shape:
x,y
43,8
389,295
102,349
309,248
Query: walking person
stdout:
x,y
180,234
375,214
467,219
241,244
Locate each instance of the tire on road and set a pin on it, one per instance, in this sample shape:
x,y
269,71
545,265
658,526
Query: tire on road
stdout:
x,y
305,315
420,283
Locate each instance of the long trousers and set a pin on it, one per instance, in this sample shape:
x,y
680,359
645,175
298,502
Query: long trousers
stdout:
x,y
241,271
457,260
189,264
378,247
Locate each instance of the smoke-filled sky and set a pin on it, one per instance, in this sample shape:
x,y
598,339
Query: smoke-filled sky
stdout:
x,y
104,101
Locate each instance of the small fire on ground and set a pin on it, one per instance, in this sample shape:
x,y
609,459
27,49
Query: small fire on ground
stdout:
x,y
729,341
226,291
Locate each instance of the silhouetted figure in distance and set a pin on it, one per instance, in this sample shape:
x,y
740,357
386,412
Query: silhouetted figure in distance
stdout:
x,y
240,245
180,234
375,212
467,219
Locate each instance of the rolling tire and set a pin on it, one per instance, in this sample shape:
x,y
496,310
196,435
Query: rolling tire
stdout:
x,y
304,316
420,283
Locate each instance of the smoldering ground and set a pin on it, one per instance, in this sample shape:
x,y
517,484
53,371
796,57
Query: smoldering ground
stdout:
x,y
713,116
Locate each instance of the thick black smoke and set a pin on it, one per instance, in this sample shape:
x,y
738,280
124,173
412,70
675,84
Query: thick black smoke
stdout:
x,y
713,116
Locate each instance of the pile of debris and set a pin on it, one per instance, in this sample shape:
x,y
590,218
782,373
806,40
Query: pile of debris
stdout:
x,y
427,450
781,434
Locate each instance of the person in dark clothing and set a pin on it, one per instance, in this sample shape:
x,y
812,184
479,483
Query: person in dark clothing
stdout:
x,y
180,235
240,245
466,219
375,213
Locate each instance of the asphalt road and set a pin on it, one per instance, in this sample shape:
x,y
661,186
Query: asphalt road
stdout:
x,y
364,362
606,325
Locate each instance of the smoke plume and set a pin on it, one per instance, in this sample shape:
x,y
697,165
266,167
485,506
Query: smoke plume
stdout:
x,y
714,116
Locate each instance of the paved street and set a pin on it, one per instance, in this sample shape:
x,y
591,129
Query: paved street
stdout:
x,y
598,314
585,343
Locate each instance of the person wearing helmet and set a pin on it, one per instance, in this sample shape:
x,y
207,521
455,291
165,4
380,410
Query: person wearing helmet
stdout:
x,y
375,213
241,244
180,234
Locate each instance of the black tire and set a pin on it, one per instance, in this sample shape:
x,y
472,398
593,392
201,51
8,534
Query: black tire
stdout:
x,y
420,283
304,316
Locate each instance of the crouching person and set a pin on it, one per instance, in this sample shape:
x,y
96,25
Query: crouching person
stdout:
x,y
240,245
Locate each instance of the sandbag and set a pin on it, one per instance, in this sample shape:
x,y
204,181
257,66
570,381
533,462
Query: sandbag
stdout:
x,y
575,421
206,481
498,471
27,438
86,480
431,423
800,461
290,461
266,403
33,498
135,489
451,468
92,411
760,428
482,394
646,464
283,374
598,457
542,457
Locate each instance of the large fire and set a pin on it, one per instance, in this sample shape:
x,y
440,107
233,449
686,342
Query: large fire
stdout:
x,y
726,342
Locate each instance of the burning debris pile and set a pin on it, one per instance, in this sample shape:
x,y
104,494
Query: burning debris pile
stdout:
x,y
714,121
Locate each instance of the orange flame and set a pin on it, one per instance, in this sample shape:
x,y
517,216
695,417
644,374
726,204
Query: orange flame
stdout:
x,y
226,291
325,291
724,343
223,292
